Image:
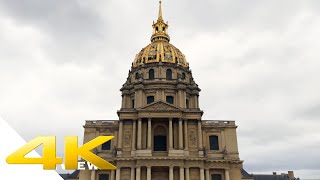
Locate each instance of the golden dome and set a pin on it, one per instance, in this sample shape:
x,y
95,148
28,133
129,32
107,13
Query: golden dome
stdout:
x,y
160,50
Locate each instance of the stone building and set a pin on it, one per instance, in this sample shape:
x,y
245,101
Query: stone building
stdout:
x,y
160,134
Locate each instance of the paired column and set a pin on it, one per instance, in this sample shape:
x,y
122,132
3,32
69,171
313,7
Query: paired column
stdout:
x,y
186,145
149,173
120,134
207,174
118,173
93,175
139,134
226,174
134,136
201,174
149,134
200,136
181,173
132,173
187,173
138,175
171,173
180,135
112,175
170,135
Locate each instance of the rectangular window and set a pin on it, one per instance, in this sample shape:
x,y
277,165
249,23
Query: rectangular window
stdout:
x,y
214,142
150,99
103,176
170,99
187,103
106,145
132,103
216,177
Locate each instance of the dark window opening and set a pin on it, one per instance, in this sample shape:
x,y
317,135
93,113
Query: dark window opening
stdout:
x,y
216,177
160,143
137,76
132,103
214,142
169,74
170,99
151,74
103,176
150,99
183,76
187,103
106,145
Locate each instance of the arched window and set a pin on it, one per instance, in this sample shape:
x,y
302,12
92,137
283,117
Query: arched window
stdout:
x,y
150,99
170,99
214,142
151,74
169,74
160,139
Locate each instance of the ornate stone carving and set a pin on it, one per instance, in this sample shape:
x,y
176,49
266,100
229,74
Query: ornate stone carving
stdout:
x,y
160,106
193,138
127,138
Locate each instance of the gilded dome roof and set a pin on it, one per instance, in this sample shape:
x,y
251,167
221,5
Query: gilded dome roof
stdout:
x,y
160,50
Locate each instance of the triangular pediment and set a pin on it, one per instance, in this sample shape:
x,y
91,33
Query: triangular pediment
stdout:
x,y
160,106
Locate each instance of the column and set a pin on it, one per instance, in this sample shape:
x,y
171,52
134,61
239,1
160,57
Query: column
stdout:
x,y
118,173
134,136
149,134
112,175
201,174
171,173
200,135
149,173
120,134
139,134
170,134
226,171
181,173
186,144
207,174
187,173
138,173
132,173
93,175
180,135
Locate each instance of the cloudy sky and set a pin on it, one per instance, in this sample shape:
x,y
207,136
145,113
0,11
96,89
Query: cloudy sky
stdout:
x,y
257,62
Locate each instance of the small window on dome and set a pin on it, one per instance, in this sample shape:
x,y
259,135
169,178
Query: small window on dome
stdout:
x,y
170,99
183,76
150,99
151,74
169,74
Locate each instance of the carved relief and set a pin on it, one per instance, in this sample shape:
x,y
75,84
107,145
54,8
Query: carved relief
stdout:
x,y
193,138
127,138
160,106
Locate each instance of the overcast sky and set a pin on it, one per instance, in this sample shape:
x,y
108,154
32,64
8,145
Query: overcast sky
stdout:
x,y
257,62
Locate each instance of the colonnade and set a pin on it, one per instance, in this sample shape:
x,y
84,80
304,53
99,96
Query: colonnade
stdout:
x,y
137,140
184,173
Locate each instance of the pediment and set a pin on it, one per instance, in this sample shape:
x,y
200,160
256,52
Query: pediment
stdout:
x,y
160,106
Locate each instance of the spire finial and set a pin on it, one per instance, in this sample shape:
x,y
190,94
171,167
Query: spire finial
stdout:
x,y
160,10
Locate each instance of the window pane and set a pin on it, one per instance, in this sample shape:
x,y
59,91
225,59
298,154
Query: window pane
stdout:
x,y
160,143
106,145
150,99
214,143
170,99
103,176
216,177
169,74
151,74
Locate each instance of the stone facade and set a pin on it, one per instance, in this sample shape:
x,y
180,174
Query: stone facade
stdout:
x,y
160,134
